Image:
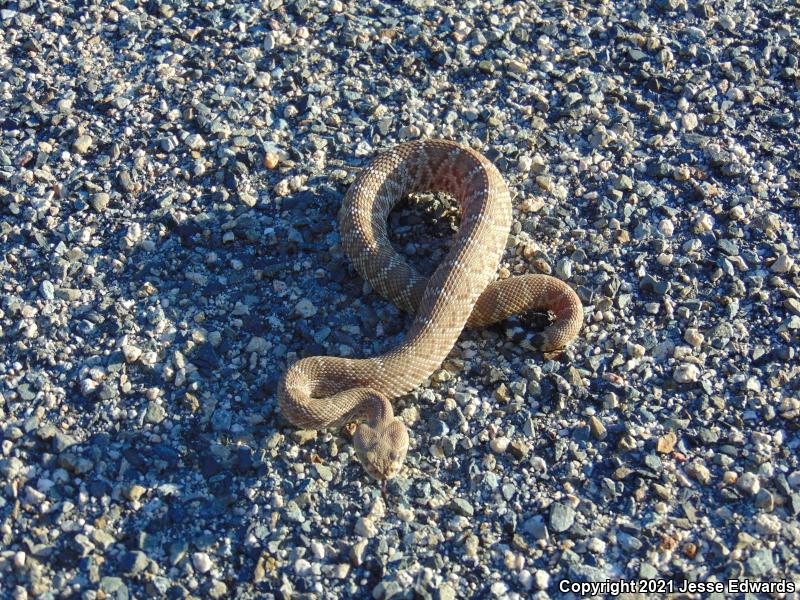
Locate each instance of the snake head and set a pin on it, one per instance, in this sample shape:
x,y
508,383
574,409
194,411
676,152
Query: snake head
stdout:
x,y
382,447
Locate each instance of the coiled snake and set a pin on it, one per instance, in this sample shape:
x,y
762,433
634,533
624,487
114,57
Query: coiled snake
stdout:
x,y
324,391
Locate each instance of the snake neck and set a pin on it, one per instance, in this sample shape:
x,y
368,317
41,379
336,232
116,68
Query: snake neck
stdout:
x,y
375,409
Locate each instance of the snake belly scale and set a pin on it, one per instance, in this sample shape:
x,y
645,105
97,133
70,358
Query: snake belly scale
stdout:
x,y
325,391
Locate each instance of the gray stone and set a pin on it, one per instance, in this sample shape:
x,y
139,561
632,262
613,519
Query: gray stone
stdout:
x,y
100,201
133,562
561,517
47,290
760,563
62,441
325,473
82,144
462,507
155,413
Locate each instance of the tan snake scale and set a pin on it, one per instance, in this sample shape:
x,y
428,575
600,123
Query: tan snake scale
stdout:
x,y
323,391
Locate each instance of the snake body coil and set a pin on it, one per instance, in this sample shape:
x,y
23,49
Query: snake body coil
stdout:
x,y
322,391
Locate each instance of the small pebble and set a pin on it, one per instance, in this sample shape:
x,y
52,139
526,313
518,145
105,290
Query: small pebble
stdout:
x,y
82,144
201,562
748,483
686,373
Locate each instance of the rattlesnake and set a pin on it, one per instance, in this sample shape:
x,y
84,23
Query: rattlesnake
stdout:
x,y
324,391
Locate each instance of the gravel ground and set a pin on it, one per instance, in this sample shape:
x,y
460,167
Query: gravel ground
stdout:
x,y
170,174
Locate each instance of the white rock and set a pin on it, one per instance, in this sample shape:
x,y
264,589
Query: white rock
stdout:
x,y
318,550
305,308
202,562
195,141
693,337
737,213
405,514
499,444
357,552
665,259
409,132
703,223
446,592
131,353
748,483
341,570
698,471
257,344
768,524
596,545
82,144
282,187
783,264
88,386
541,579
525,579
302,567
689,121
458,523
365,527
727,23
499,588
686,373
